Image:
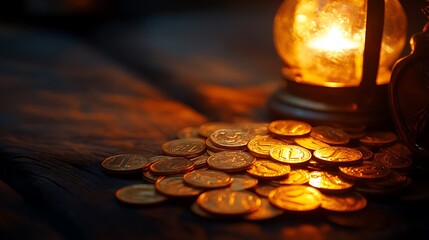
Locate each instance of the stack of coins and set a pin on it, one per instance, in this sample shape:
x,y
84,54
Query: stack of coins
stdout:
x,y
258,171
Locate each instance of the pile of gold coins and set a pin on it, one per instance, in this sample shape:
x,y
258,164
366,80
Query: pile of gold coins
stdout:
x,y
258,171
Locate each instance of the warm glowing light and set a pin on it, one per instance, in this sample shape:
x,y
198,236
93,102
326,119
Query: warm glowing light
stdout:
x,y
334,41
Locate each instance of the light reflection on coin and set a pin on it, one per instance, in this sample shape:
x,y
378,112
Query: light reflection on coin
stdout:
x,y
139,194
268,169
228,202
207,179
330,135
174,186
264,212
344,202
125,163
230,138
310,143
297,177
261,146
326,181
338,155
289,128
296,198
230,161
188,147
290,154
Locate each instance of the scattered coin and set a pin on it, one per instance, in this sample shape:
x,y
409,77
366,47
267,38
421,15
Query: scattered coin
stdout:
x,y
242,182
227,202
310,143
207,179
207,129
295,177
171,166
139,194
330,135
290,154
289,128
268,169
366,171
230,161
230,138
125,163
338,155
188,147
394,161
344,202
378,139
296,198
326,181
174,186
264,212
261,146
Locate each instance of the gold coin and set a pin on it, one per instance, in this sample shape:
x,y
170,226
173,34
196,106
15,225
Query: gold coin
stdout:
x,y
310,143
378,139
344,202
230,161
261,146
207,179
125,163
264,212
264,189
254,129
207,129
290,154
289,128
242,182
188,132
171,166
227,202
393,160
366,171
268,169
295,177
338,155
200,161
330,135
174,186
326,181
140,194
296,198
230,138
188,147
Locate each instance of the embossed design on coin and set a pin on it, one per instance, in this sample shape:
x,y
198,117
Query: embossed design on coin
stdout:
x,y
310,143
125,163
265,211
289,128
188,147
242,182
344,202
393,160
207,129
174,186
365,171
330,135
290,154
227,202
171,166
297,177
230,161
261,146
329,181
338,155
296,198
268,169
378,139
207,179
230,138
140,194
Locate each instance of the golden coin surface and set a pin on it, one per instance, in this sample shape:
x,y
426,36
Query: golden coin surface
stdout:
x,y
289,128
207,129
261,146
242,182
264,189
230,138
268,169
230,161
139,194
378,139
207,179
330,135
290,154
125,163
326,181
296,198
187,147
393,160
296,177
227,202
265,211
310,143
174,186
338,155
188,132
366,171
344,202
171,166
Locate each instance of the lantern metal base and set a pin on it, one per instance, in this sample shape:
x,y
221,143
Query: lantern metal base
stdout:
x,y
326,106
